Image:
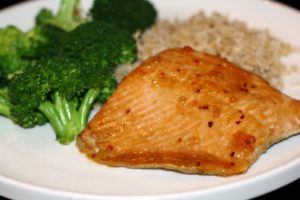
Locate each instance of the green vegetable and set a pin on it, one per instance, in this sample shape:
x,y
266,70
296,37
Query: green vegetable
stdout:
x,y
59,69
11,45
97,42
39,39
19,51
7,109
132,15
5,104
67,17
65,86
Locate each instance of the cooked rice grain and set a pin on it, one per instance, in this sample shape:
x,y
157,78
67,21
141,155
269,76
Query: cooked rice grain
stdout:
x,y
252,49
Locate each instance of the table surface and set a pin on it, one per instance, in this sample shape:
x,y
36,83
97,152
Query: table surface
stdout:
x,y
287,191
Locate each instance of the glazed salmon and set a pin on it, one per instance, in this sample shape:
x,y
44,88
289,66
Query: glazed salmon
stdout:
x,y
190,112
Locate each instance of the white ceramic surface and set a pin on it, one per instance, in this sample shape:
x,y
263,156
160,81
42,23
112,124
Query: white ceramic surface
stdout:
x,y
34,166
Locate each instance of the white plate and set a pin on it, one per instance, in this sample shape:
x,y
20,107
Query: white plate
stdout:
x,y
34,166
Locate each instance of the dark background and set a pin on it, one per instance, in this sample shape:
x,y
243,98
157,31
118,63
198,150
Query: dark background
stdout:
x,y
287,192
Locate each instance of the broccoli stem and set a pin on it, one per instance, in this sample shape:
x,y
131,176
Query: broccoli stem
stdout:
x,y
65,16
86,105
66,118
66,9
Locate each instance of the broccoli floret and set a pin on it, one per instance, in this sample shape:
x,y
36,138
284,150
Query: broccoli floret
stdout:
x,y
38,39
18,114
65,87
95,41
100,42
67,18
63,90
109,86
132,15
14,47
43,16
50,28
11,45
18,49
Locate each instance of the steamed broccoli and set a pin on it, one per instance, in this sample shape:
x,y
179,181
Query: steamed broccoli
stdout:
x,y
14,45
11,45
39,38
50,28
132,15
18,51
100,42
67,17
43,17
7,109
18,48
57,70
64,87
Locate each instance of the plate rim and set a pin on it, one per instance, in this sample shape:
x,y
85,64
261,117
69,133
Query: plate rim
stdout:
x,y
60,193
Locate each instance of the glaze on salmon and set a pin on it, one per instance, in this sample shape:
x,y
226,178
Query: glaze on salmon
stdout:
x,y
190,112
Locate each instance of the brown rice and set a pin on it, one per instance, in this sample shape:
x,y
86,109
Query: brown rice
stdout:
x,y
252,49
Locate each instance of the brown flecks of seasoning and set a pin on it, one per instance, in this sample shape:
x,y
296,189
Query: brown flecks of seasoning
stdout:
x,y
197,61
179,140
238,122
250,141
241,117
198,90
178,70
157,60
244,141
204,107
109,148
210,124
232,154
128,111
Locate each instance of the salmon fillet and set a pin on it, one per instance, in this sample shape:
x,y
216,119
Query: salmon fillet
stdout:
x,y
190,112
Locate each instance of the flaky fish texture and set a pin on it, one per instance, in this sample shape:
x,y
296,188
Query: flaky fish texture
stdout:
x,y
190,112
